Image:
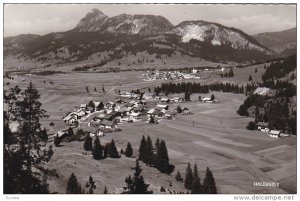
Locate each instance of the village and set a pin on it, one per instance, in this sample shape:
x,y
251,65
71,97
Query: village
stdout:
x,y
128,108
174,75
98,118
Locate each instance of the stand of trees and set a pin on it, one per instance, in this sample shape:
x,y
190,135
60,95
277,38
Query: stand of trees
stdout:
x,y
280,69
227,74
156,156
136,184
189,87
192,181
24,152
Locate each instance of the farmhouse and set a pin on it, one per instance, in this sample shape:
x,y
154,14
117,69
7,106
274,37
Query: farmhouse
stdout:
x,y
96,132
160,107
119,102
110,105
274,134
206,99
165,100
262,126
70,119
108,124
176,99
148,96
135,115
83,106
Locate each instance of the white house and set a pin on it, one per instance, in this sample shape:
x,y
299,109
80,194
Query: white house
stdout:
x,y
206,99
274,134
135,115
83,106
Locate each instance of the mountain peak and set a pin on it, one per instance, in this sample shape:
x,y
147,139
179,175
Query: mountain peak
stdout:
x,y
95,11
96,21
92,21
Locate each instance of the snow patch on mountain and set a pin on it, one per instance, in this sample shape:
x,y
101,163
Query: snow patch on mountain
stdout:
x,y
217,35
192,32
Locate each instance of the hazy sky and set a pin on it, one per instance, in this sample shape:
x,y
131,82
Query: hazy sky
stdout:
x,y
46,18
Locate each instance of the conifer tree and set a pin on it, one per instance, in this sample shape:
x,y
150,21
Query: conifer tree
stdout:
x,y
136,185
44,135
73,187
250,78
178,176
162,158
142,150
57,140
188,181
151,121
196,185
105,150
149,160
70,132
105,190
97,149
209,185
128,151
20,160
112,151
88,143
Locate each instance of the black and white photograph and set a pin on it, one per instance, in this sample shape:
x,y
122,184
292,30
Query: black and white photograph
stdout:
x,y
150,98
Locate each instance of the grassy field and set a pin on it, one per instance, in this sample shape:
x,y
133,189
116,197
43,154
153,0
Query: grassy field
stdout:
x,y
218,139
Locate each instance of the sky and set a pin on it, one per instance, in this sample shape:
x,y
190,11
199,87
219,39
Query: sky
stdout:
x,y
46,18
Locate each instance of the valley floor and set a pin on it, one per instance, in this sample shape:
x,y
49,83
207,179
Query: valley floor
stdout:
x,y
217,138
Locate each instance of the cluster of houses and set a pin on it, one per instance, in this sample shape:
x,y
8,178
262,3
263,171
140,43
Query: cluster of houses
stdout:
x,y
107,116
264,127
169,75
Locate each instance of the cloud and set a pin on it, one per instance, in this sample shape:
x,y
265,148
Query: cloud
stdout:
x,y
258,23
37,26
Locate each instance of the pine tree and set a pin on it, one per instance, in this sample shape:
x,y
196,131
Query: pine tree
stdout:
x,y
128,151
142,150
178,176
20,160
44,135
151,121
105,190
250,78
73,187
70,132
179,109
196,185
57,140
136,185
112,151
209,185
103,89
162,158
188,181
149,160
88,143
187,96
97,149
105,150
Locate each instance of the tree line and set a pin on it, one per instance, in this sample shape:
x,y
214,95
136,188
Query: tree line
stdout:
x,y
184,87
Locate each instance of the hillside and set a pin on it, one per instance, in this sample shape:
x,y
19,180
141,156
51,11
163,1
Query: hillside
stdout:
x,y
123,35
282,42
